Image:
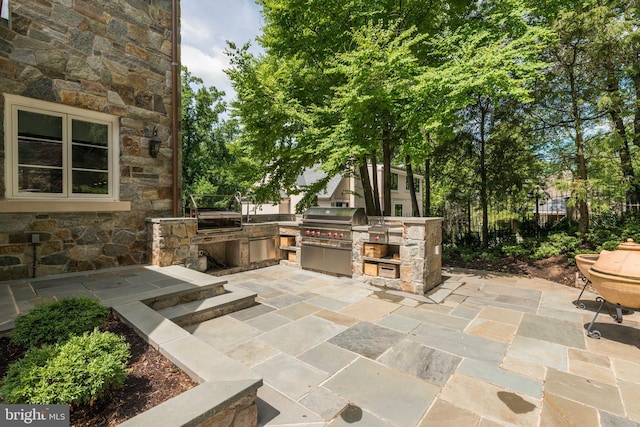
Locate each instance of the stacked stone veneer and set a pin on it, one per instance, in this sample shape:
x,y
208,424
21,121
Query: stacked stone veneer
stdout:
x,y
419,245
176,241
108,56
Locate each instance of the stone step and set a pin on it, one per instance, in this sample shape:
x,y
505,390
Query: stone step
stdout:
x,y
185,294
202,310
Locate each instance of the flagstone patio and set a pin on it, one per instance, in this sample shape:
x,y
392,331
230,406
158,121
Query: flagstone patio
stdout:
x,y
483,349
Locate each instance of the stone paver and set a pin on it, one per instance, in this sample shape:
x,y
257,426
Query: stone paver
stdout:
x,y
497,350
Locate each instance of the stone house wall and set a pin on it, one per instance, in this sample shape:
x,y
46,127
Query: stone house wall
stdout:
x,y
109,56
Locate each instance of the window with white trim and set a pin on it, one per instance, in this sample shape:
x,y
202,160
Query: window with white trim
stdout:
x,y
58,152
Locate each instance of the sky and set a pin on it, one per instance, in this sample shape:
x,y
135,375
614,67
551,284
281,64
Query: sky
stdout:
x,y
206,25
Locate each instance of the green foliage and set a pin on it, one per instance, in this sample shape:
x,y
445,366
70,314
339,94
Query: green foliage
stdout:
x,y
609,230
208,162
556,244
78,371
56,321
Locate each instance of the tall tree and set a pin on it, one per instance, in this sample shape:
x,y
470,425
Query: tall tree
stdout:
x,y
206,137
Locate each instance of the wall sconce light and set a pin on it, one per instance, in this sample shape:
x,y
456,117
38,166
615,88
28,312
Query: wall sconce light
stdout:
x,y
154,144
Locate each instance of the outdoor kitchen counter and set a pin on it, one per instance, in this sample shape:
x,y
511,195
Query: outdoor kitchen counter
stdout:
x,y
416,243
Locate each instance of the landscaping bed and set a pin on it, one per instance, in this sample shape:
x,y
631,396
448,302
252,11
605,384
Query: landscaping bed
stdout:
x,y
152,379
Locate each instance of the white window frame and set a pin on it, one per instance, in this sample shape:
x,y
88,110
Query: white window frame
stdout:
x,y
13,103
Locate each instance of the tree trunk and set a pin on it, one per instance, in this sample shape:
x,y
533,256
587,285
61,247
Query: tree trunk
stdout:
x,y
415,209
376,187
581,181
483,177
633,193
366,187
427,188
386,170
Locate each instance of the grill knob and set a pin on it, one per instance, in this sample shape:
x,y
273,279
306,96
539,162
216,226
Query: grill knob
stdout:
x,y
341,235
329,234
307,232
376,238
335,234
317,234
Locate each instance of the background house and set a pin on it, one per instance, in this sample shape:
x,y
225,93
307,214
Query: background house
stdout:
x,y
87,93
346,192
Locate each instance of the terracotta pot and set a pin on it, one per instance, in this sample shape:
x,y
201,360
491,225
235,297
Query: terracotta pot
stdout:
x,y
616,275
584,263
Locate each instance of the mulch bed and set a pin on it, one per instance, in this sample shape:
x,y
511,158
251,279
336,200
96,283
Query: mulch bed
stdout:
x,y
556,269
152,380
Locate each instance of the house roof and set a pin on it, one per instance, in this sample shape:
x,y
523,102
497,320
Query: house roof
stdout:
x,y
311,176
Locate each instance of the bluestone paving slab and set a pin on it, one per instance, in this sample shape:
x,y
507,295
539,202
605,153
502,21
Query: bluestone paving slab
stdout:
x,y
446,414
276,409
289,375
538,352
563,332
423,362
110,293
367,339
492,402
402,401
584,390
570,316
326,302
440,295
489,329
630,392
328,357
337,318
251,353
268,321
594,372
299,310
610,420
525,294
628,370
299,336
356,416
458,343
558,411
431,318
283,300
465,312
497,376
369,309
324,403
502,315
223,332
398,323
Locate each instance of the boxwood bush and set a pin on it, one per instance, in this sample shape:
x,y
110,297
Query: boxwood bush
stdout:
x,y
77,371
54,322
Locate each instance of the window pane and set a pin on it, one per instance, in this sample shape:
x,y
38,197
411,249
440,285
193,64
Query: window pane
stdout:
x,y
39,153
90,182
38,125
394,181
397,210
85,157
39,180
90,133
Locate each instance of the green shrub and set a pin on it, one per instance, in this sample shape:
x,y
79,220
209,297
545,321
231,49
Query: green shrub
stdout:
x,y
77,372
556,244
54,322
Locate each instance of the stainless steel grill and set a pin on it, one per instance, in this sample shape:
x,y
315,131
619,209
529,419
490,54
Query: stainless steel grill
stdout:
x,y
216,212
327,238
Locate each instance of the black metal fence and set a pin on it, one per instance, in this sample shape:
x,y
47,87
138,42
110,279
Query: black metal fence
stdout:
x,y
463,223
